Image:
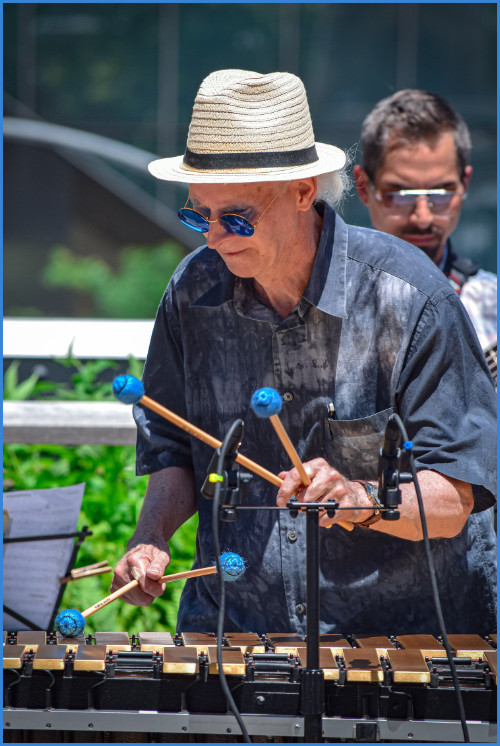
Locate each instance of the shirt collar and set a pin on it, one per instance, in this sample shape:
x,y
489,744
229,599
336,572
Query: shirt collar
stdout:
x,y
327,282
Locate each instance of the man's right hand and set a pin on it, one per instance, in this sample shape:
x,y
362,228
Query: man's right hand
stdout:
x,y
145,563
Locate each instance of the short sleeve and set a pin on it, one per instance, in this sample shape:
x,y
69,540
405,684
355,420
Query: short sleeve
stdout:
x,y
447,399
159,443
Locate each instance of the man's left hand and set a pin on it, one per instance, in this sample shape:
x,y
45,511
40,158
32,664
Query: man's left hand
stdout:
x,y
326,484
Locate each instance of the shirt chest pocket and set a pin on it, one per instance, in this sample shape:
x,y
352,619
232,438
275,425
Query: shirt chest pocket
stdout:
x,y
353,448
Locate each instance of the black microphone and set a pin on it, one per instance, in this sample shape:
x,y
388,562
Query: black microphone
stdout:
x,y
234,442
389,493
230,453
390,447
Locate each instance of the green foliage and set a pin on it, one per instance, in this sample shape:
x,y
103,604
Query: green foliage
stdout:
x,y
15,389
111,503
133,291
89,381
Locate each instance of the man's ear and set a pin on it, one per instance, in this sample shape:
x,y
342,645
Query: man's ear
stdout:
x,y
467,175
306,192
362,183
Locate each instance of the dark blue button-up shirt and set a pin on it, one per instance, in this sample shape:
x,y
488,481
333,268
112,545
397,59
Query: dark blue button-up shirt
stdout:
x,y
378,330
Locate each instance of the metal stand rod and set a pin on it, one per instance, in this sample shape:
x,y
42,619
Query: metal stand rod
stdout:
x,y
313,690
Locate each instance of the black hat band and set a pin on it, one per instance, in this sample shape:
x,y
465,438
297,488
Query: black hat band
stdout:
x,y
221,161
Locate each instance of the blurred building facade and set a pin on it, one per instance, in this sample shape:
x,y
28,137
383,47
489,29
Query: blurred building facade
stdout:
x,y
130,71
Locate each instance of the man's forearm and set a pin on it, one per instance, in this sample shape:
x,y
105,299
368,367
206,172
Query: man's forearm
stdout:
x,y
447,502
169,501
447,505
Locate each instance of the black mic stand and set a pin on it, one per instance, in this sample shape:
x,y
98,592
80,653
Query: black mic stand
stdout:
x,y
233,486
313,683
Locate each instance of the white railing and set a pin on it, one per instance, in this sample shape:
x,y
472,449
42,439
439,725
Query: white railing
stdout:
x,y
72,422
90,338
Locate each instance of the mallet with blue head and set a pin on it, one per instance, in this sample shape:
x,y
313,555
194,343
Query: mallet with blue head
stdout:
x,y
129,390
266,403
71,623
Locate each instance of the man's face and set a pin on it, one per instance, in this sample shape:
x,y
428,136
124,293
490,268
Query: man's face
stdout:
x,y
264,254
420,165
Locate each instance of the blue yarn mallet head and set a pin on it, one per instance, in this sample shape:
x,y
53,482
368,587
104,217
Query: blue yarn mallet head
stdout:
x,y
128,389
70,623
266,402
233,566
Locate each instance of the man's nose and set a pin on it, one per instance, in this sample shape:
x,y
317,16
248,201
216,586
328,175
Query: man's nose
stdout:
x,y
422,214
215,233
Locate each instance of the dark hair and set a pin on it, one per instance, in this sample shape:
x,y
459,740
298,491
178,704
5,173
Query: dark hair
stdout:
x,y
408,116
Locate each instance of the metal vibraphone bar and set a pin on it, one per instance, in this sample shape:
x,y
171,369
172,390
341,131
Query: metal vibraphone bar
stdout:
x,y
109,686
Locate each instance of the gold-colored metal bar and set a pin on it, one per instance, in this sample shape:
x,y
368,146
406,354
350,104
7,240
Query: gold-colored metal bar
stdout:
x,y
202,641
286,643
409,666
90,658
32,638
468,646
12,656
428,644
198,638
180,660
363,664
49,657
491,659
247,642
333,640
232,661
75,641
379,642
327,662
114,641
154,641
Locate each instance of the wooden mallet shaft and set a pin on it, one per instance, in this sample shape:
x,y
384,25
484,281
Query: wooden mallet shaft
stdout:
x,y
294,457
129,390
208,439
243,460
134,583
289,448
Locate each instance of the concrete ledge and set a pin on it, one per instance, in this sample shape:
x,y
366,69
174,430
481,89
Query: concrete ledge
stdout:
x,y
91,338
68,423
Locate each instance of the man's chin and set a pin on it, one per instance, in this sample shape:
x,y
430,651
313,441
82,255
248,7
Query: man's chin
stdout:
x,y
430,244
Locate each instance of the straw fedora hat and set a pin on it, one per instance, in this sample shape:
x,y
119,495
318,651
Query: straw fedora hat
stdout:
x,y
249,127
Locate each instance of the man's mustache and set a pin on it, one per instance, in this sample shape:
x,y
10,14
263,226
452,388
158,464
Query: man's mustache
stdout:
x,y
431,231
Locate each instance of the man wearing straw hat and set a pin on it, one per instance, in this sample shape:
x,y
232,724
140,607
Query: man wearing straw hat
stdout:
x,y
349,325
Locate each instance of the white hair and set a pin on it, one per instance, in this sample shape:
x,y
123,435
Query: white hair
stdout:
x,y
331,187
334,186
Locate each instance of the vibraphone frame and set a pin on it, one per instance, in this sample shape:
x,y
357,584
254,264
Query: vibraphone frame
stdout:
x,y
358,688
278,726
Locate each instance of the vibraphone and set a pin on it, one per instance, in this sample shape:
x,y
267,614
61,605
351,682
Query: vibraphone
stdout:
x,y
109,686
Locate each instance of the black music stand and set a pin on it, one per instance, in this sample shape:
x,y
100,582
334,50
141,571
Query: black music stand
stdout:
x,y
80,538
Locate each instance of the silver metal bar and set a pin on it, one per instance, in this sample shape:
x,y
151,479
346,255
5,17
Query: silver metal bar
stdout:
x,y
68,422
412,730
142,721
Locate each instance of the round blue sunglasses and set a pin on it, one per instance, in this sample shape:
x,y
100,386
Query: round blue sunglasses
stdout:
x,y
232,223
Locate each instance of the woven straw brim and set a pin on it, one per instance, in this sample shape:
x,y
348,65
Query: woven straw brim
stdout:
x,y
330,159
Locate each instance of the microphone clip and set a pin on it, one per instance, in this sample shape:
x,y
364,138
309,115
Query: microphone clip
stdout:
x,y
390,477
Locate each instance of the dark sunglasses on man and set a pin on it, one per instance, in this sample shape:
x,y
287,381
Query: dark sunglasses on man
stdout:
x,y
403,202
232,223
